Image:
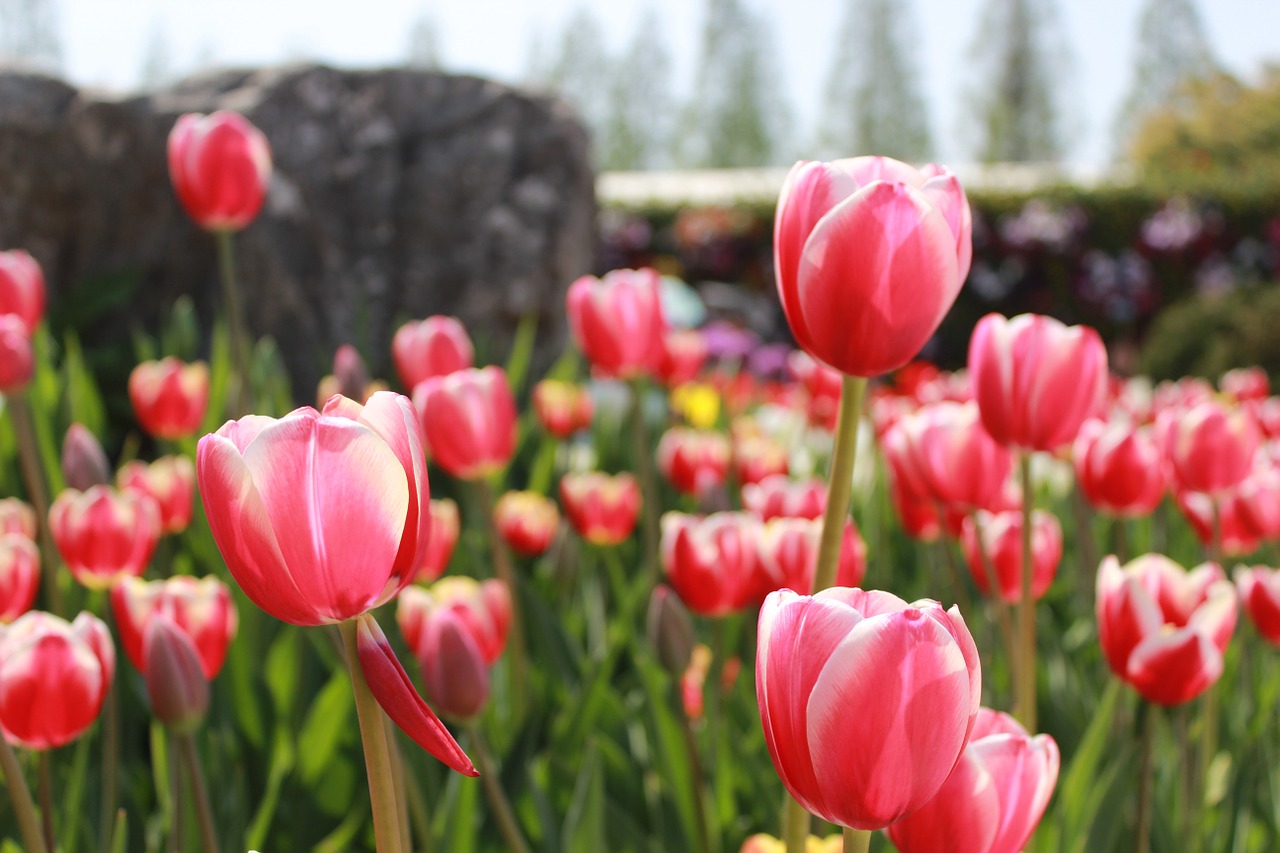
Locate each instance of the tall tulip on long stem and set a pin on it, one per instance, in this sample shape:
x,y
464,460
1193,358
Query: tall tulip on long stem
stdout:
x,y
864,312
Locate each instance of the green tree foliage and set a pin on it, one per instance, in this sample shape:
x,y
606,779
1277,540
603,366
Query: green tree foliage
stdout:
x,y
737,115
874,104
1207,335
1218,130
1021,65
424,44
577,69
1172,48
637,128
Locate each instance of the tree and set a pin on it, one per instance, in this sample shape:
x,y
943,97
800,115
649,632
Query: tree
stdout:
x,y
874,103
29,33
424,44
737,115
578,70
1021,65
1172,49
157,62
638,122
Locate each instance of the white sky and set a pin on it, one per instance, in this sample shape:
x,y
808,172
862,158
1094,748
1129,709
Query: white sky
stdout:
x,y
105,42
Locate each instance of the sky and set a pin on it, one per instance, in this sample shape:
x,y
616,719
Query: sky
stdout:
x,y
106,43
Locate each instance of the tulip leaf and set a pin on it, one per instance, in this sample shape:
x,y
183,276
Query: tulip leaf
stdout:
x,y
324,729
83,401
282,761
584,822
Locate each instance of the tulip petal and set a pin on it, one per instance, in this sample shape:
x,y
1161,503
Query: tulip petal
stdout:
x,y
903,676
1026,772
963,818
1174,667
395,693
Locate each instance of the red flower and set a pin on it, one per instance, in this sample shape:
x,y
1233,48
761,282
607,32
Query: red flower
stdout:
x,y
169,397
220,165
469,420
436,346
618,322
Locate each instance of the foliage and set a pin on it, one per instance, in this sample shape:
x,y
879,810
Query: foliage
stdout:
x,y
1210,334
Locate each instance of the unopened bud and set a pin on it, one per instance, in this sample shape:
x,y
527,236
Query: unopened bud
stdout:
x,y
84,462
175,679
453,667
670,630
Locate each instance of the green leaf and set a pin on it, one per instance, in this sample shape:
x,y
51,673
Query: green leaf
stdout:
x,y
326,724
282,762
584,822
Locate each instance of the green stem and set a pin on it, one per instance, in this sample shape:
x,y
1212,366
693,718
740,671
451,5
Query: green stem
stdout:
x,y
648,485
955,575
840,483
857,840
795,825
517,656
397,779
1208,749
377,761
235,319
38,492
695,772
46,799
1147,721
1026,682
189,755
20,795
502,811
177,806
110,762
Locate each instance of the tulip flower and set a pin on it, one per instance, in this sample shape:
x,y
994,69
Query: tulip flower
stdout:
x,y
220,165
1119,468
788,554
22,288
562,408
321,517
698,403
670,630
104,535
993,800
1164,630
756,457
780,497
469,420
908,674
683,353
170,481
617,322
1036,380
17,361
527,522
1207,448
711,562
1259,590
484,608
350,378
948,456
202,609
602,508
169,398
436,346
19,575
17,516
1222,523
867,313
1257,502
54,677
994,544
821,383
693,461
84,462
174,674
1246,383
453,670
444,527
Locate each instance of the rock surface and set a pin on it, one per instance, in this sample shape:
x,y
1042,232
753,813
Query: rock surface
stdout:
x,y
396,194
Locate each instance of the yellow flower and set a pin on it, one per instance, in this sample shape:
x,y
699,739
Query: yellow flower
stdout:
x,y
698,403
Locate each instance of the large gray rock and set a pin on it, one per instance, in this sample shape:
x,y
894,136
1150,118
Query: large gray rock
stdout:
x,y
396,194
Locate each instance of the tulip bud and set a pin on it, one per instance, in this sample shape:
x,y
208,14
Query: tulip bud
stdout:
x,y
104,535
169,397
176,683
17,361
19,575
443,536
220,165
454,671
994,546
21,288
683,352
1259,590
670,630
84,462
527,522
469,420
602,508
436,346
562,407
618,322
693,461
17,516
169,481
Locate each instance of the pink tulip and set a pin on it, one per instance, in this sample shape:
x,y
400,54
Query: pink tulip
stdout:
x,y
1119,468
862,312
104,535
174,674
1036,381
999,537
780,497
757,457
19,575
993,800
436,346
54,677
602,508
693,461
170,481
322,516
1207,448
1259,590
350,378
484,608
683,353
17,361
469,420
822,384
202,609
21,288
444,525
618,322
562,408
169,397
526,521
711,562
788,554
17,516
1257,502
1219,522
220,165
908,674
956,462
1246,383
453,670
1164,630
